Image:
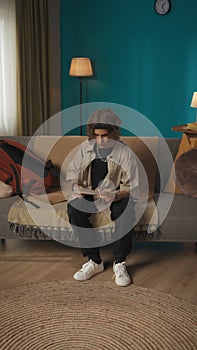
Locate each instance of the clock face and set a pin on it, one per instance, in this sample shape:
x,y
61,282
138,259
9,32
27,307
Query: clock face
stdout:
x,y
162,7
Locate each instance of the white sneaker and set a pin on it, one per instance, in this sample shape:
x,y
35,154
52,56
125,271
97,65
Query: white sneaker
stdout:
x,y
122,278
88,270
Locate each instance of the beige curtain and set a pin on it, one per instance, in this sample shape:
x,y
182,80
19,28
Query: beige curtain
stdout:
x,y
33,64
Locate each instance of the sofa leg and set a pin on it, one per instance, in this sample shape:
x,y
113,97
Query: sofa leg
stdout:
x,y
196,248
3,242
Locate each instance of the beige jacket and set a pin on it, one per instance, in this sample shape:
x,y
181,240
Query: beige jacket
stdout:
x,y
122,168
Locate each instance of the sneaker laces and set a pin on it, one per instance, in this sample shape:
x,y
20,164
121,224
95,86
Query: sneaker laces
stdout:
x,y
88,266
120,270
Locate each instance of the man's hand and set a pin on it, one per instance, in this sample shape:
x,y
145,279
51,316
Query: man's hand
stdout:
x,y
76,191
107,195
112,196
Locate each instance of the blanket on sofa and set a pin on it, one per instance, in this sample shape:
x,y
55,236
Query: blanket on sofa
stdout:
x,y
26,216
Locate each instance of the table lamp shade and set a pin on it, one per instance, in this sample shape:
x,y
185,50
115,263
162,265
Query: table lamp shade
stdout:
x,y
194,100
80,67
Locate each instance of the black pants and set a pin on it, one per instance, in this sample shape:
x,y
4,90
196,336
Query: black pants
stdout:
x,y
80,219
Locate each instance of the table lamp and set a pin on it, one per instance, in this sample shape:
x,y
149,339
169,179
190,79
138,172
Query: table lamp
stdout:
x,y
80,67
194,102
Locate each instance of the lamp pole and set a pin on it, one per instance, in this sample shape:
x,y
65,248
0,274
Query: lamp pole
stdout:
x,y
81,101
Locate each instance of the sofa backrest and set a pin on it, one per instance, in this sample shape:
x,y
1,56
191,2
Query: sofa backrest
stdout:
x,y
165,165
65,147
145,149
22,139
57,148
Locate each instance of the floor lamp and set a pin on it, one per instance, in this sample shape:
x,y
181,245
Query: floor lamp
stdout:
x,y
80,67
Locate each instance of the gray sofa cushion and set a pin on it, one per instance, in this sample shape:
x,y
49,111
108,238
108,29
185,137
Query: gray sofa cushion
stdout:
x,y
180,222
4,225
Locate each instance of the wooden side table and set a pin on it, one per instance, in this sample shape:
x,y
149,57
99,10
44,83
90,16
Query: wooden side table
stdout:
x,y
184,128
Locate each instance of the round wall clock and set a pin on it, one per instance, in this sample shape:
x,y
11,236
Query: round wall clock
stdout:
x,y
162,7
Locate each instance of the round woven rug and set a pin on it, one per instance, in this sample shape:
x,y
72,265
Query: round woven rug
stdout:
x,y
94,315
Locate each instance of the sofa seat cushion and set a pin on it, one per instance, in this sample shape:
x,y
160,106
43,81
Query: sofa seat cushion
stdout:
x,y
179,223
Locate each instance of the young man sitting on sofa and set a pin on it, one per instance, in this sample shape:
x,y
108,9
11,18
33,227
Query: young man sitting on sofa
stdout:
x,y
105,164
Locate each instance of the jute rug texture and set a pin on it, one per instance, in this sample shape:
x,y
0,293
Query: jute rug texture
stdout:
x,y
94,315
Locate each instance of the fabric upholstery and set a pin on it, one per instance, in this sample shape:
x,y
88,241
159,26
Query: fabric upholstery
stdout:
x,y
180,222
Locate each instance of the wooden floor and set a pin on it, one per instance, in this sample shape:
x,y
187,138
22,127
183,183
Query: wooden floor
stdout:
x,y
167,267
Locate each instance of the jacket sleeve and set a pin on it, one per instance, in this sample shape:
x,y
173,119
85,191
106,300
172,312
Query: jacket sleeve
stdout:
x,y
130,175
74,166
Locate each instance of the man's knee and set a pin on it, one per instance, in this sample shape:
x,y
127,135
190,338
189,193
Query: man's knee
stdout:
x,y
72,210
76,208
117,208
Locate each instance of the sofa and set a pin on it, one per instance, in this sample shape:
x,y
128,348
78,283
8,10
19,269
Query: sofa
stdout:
x,y
168,217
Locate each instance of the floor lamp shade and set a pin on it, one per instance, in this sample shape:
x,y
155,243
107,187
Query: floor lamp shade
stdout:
x,y
80,67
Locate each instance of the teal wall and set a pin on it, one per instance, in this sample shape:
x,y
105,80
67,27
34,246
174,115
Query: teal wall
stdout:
x,y
140,59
